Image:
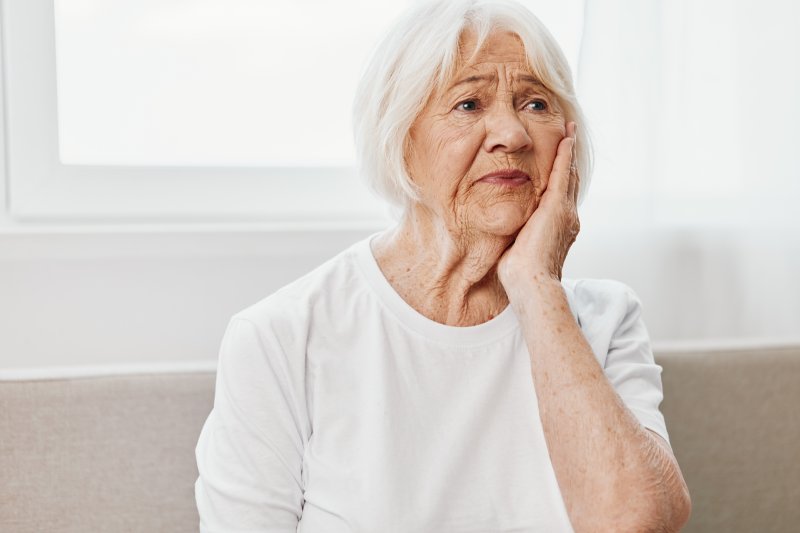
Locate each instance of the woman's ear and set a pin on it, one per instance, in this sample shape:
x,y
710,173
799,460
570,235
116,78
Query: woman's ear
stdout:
x,y
408,153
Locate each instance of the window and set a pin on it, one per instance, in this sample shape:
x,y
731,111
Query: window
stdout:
x,y
193,111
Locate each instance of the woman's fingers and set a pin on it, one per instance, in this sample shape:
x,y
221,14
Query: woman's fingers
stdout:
x,y
574,185
561,175
574,178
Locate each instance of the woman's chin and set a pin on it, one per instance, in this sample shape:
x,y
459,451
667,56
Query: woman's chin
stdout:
x,y
503,220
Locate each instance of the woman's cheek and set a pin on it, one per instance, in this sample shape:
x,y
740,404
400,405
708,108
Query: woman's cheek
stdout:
x,y
460,146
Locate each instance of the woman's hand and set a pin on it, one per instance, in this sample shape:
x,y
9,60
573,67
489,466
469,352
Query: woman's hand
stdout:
x,y
541,246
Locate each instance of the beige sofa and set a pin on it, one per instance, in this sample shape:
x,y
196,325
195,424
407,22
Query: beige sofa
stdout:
x,y
115,453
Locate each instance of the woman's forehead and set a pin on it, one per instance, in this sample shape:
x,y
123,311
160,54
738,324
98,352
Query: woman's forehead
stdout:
x,y
501,52
498,47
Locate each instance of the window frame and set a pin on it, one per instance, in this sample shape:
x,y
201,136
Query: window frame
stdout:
x,y
42,189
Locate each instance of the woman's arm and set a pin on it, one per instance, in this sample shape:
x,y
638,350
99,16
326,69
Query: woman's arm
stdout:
x,y
614,474
250,450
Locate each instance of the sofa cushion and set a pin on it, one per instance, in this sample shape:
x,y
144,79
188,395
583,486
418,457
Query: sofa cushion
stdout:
x,y
101,454
734,422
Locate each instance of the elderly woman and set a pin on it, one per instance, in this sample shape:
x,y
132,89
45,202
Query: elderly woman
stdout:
x,y
441,376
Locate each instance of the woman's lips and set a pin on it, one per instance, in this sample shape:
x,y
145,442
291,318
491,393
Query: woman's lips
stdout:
x,y
509,177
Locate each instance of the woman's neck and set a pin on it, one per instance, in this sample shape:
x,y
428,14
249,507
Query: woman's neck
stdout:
x,y
447,274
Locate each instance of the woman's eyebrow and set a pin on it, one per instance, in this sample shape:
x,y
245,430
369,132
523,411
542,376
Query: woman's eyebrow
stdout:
x,y
472,79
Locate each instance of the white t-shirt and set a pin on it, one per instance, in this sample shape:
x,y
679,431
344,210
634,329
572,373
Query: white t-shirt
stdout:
x,y
341,409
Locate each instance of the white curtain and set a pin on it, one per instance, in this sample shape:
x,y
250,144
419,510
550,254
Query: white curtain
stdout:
x,y
694,109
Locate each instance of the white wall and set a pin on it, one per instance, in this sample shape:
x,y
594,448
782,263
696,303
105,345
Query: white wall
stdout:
x,y
131,297
122,297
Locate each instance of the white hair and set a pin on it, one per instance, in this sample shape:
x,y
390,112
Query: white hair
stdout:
x,y
419,54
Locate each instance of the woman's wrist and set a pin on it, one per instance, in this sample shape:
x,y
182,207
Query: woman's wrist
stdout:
x,y
530,289
528,280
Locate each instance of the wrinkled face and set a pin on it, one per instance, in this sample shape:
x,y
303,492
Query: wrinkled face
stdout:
x,y
492,116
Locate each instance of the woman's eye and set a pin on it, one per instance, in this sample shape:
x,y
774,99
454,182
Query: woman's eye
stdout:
x,y
537,105
467,105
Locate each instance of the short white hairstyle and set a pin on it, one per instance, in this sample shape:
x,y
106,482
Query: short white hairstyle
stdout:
x,y
419,54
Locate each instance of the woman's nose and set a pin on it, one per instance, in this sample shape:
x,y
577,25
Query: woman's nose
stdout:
x,y
505,132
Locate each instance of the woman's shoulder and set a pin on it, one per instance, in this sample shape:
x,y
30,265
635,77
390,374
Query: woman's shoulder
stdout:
x,y
608,312
598,288
607,300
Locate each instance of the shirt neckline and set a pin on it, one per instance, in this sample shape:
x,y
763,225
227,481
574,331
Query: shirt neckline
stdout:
x,y
486,332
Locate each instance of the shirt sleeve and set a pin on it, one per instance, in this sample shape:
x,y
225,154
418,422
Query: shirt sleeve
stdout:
x,y
631,367
250,450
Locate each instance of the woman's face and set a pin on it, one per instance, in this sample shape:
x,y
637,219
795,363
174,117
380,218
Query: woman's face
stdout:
x,y
492,116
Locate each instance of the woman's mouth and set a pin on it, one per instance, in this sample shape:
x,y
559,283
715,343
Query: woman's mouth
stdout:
x,y
509,177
